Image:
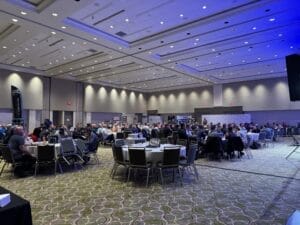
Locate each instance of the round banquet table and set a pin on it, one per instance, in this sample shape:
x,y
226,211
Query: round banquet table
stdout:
x,y
153,154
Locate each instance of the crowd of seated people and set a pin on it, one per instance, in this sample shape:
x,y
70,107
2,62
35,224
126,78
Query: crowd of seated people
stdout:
x,y
106,132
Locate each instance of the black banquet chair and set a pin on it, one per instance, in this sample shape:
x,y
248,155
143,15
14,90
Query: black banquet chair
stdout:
x,y
137,161
45,156
214,147
170,161
7,158
118,159
190,159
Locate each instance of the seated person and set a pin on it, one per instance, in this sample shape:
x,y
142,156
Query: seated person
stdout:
x,y
20,153
92,141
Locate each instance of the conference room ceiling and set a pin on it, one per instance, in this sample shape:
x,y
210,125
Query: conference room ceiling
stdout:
x,y
150,46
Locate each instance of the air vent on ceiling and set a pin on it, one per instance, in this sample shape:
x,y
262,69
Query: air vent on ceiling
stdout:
x,y
7,30
55,42
121,34
92,50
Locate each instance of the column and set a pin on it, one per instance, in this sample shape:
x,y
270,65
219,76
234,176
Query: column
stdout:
x,y
218,95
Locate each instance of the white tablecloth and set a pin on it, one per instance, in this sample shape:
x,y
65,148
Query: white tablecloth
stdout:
x,y
153,154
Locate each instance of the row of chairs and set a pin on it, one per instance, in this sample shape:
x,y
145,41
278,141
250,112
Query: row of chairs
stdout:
x,y
71,152
138,161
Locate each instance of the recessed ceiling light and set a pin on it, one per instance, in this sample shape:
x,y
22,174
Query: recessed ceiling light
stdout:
x,y
259,58
27,31
73,43
20,52
14,56
72,55
171,46
63,46
253,28
56,60
23,13
280,35
197,39
181,15
53,32
120,48
291,47
4,47
272,19
275,55
213,50
96,61
243,61
84,43
111,26
54,14
14,20
169,60
23,64
63,27
246,42
33,45
195,43
204,7
161,22
26,49
127,20
95,38
149,52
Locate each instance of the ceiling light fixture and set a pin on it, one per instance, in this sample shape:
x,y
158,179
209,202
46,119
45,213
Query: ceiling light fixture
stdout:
x,y
111,26
161,22
4,47
54,14
204,7
63,27
272,19
181,15
14,20
126,20
253,28
23,13
53,32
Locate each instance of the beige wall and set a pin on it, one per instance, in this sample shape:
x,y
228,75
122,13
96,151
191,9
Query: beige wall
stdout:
x,y
271,94
104,99
181,101
63,95
30,86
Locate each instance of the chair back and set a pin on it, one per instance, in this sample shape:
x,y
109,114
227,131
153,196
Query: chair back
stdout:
x,y
262,136
120,135
171,156
214,144
191,154
118,153
45,153
7,154
137,156
67,146
235,144
81,146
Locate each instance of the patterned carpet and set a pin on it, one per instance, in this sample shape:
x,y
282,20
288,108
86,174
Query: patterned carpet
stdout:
x,y
257,191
